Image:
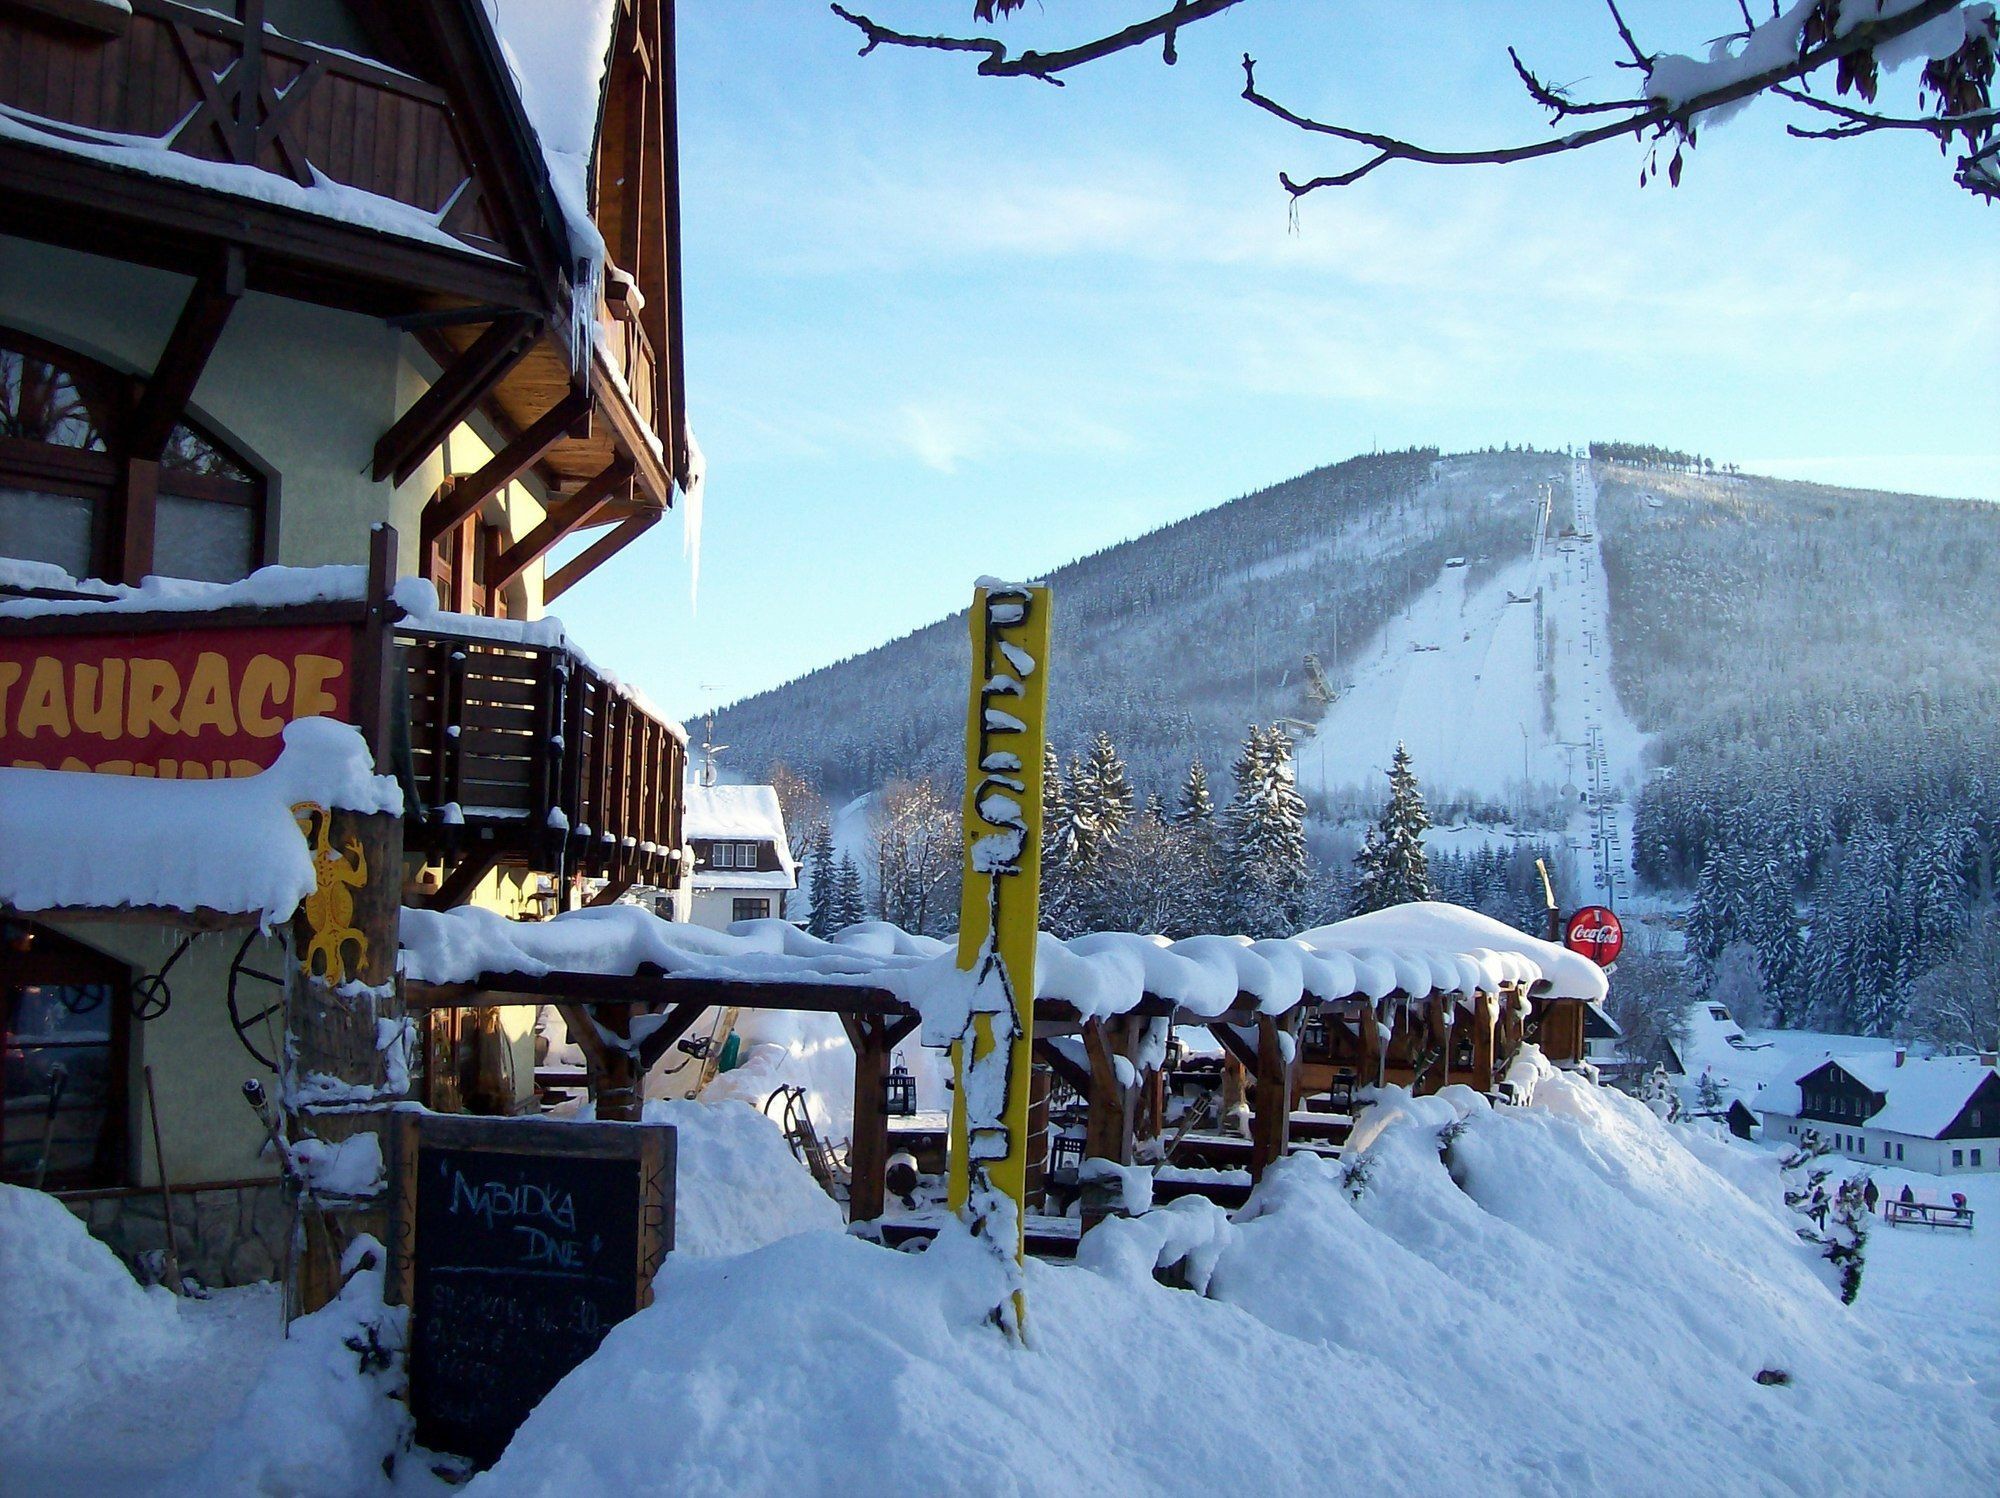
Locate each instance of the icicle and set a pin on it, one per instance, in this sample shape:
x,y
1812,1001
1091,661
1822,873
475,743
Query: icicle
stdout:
x,y
697,477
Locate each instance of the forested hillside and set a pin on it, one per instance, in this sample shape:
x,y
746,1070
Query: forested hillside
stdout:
x,y
1818,668
1172,642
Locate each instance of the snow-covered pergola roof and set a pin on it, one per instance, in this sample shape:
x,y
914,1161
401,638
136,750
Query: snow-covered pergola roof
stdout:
x,y
1416,951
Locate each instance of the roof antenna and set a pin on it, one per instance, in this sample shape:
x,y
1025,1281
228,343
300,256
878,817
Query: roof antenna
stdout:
x,y
709,748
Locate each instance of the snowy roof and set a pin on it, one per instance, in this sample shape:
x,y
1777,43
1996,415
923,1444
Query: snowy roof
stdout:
x,y
558,51
1925,1093
747,813
1447,934
745,879
108,842
1099,974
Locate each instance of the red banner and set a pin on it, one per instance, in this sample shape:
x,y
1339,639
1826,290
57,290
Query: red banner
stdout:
x,y
194,704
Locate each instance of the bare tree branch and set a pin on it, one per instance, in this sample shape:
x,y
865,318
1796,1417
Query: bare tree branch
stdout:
x,y
1163,28
1655,117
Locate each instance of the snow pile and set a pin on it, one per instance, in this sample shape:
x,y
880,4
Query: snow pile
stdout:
x,y
112,841
76,1323
737,1186
267,588
1553,1298
320,1419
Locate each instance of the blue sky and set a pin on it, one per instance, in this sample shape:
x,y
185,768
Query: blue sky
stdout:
x,y
940,326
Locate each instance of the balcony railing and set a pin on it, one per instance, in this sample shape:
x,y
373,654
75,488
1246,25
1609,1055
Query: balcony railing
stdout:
x,y
204,85
527,755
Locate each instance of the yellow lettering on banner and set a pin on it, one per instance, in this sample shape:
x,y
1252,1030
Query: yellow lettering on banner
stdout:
x,y
238,768
207,704
10,672
267,681
193,769
109,767
43,703
29,764
310,674
98,699
156,692
73,763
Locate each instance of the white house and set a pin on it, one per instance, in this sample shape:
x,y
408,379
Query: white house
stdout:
x,y
1939,1114
743,865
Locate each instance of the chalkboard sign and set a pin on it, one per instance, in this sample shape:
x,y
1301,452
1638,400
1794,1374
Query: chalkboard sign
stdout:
x,y
519,1243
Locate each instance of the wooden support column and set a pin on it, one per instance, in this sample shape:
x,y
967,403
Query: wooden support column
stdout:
x,y
603,1032
340,988
874,1038
1271,1103
1484,1017
1108,1133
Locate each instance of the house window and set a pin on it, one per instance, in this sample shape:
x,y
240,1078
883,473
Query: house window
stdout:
x,y
1975,1159
734,856
64,1013
1899,1152
749,910
63,471
1957,1158
1885,1149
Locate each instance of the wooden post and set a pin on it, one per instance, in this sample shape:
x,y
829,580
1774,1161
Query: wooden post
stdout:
x,y
602,1033
1484,1017
1370,1035
1108,1133
1437,1040
1271,1099
868,1144
343,1023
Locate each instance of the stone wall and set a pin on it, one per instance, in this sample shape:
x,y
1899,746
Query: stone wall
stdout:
x,y
225,1235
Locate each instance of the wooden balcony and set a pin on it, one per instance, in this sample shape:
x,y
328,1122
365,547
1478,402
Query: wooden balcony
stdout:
x,y
181,128
526,756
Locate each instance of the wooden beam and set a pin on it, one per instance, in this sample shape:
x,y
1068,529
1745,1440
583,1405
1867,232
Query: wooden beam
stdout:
x,y
680,1019
452,506
1077,1077
135,519
608,895
1245,1053
452,397
203,317
564,516
868,1141
1271,1099
459,884
597,553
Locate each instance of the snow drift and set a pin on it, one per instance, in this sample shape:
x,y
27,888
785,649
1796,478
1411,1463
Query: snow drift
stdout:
x,y
1554,1298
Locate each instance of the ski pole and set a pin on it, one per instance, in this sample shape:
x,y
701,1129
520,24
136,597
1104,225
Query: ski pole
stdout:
x,y
58,1081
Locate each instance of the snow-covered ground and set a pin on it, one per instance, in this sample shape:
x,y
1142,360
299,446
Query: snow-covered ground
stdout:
x,y
1565,1298
1459,679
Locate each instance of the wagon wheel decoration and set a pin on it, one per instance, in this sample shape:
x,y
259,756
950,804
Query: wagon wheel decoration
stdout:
x,y
253,989
150,997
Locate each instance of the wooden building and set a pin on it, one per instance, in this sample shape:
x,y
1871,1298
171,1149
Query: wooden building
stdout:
x,y
1939,1114
383,295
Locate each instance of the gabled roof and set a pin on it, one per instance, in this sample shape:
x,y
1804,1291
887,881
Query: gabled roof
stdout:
x,y
737,813
1924,1094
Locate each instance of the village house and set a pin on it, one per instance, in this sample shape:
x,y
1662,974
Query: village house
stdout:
x,y
1939,1114
743,866
338,341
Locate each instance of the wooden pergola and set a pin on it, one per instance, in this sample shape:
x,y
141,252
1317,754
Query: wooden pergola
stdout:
x,y
625,1023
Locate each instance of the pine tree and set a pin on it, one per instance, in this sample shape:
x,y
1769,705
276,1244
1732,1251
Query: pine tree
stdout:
x,y
1391,866
1196,804
850,904
1264,839
819,852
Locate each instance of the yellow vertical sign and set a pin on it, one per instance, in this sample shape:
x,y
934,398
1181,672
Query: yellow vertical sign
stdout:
x,y
1000,918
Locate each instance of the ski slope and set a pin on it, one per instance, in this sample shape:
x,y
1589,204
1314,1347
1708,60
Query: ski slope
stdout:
x,y
1499,682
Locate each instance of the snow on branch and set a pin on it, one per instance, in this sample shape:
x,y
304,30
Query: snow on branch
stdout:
x,y
1681,93
997,63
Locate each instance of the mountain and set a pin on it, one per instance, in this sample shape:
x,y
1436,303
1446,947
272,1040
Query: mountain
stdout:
x,y
1175,640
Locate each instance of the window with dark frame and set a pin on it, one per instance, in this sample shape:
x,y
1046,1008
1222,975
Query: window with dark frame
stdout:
x,y
64,1022
741,909
67,482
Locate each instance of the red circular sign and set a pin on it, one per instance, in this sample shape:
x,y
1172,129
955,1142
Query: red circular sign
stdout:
x,y
1597,933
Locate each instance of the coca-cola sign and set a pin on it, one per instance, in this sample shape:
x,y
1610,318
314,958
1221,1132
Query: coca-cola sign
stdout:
x,y
1596,933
